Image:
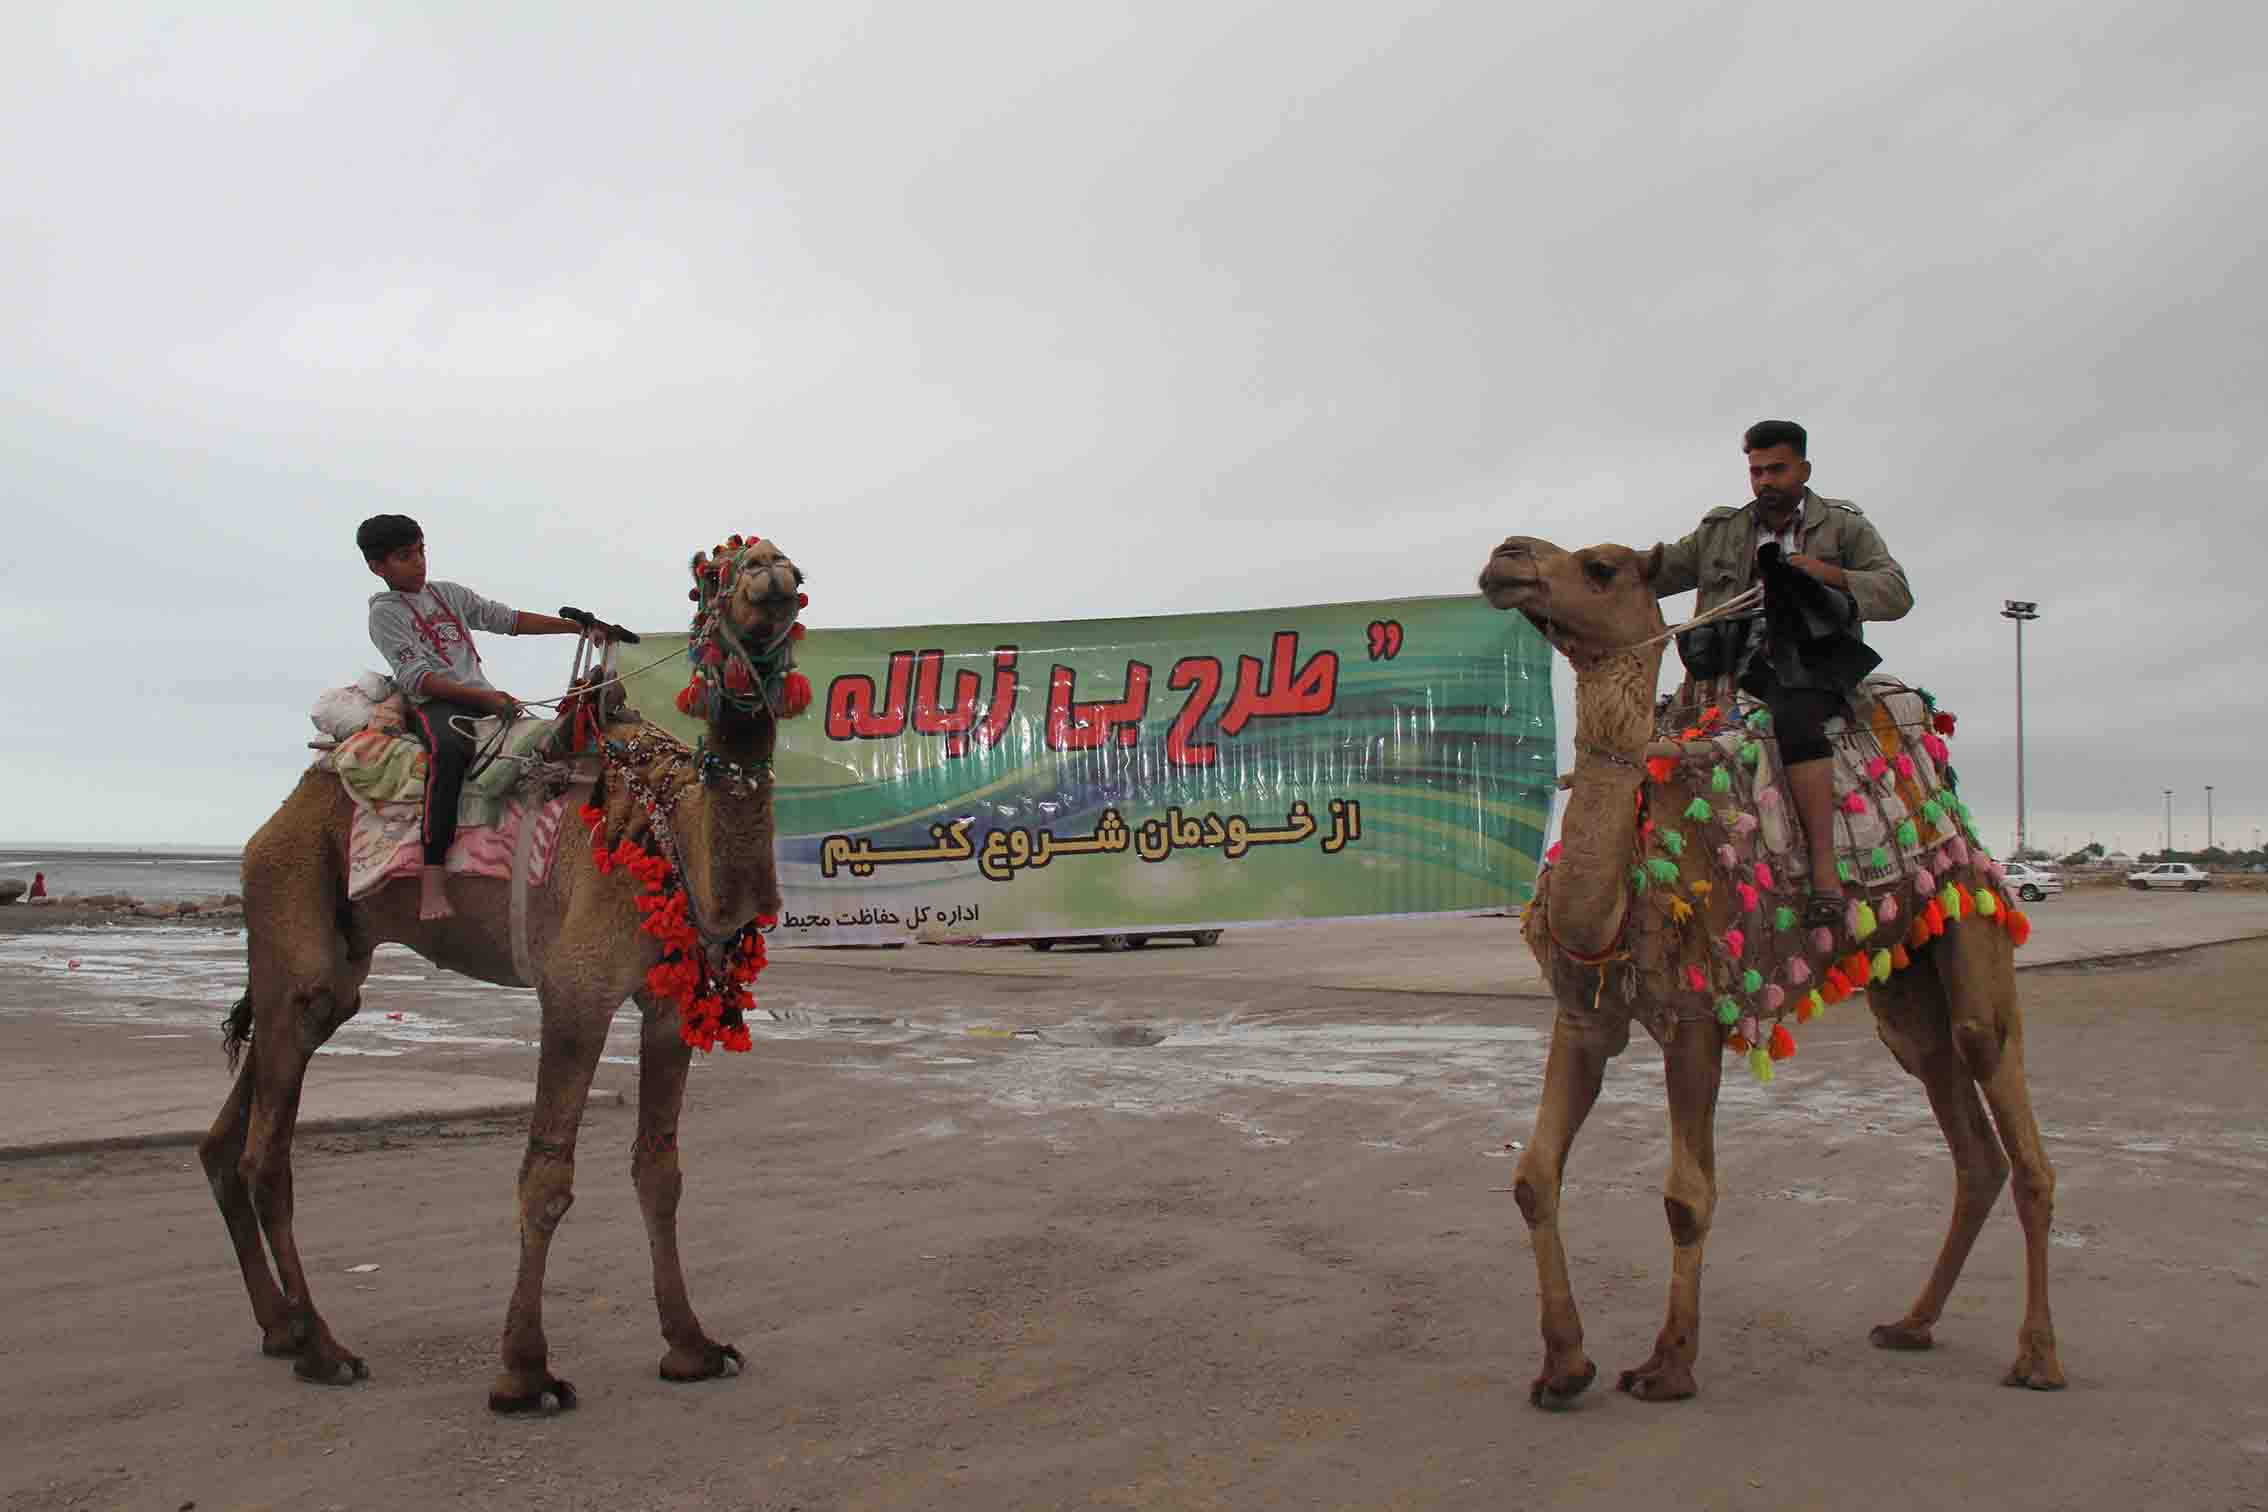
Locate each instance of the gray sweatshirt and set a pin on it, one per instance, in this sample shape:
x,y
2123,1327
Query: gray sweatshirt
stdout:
x,y
430,631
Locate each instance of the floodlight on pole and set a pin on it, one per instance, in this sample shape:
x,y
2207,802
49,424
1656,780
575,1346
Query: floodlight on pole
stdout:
x,y
2019,610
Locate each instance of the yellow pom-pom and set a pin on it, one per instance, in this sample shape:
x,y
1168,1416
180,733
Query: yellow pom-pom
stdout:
x,y
1879,968
1760,1064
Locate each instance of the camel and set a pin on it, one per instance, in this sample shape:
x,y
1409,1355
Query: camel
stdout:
x,y
309,950
1950,1018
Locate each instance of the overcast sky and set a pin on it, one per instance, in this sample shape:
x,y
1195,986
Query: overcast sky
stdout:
x,y
1052,309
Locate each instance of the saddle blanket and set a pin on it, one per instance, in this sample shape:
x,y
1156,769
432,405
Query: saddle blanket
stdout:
x,y
383,845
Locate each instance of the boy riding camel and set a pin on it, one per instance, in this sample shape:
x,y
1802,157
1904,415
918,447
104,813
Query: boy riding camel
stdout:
x,y
424,630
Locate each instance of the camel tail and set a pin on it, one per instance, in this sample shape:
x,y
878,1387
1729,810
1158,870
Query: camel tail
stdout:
x,y
236,1029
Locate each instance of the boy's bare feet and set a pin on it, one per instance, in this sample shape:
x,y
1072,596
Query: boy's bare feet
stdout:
x,y
432,899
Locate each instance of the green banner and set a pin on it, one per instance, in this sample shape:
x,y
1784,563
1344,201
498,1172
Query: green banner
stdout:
x,y
1197,771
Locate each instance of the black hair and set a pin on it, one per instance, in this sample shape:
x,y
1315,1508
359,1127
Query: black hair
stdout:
x,y
383,535
1766,434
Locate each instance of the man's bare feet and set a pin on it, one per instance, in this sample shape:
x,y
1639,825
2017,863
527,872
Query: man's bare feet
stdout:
x,y
432,898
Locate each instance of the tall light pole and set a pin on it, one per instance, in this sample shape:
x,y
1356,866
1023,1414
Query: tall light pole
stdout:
x,y
2167,849
2208,816
2019,610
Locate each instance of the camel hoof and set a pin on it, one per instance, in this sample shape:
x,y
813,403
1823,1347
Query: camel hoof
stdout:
x,y
1901,1335
1667,1383
334,1370
553,1387
2035,1375
1554,1393
706,1363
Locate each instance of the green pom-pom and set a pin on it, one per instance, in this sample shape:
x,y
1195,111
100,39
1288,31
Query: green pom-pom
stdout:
x,y
1662,871
1783,917
1818,1004
1950,902
1878,969
1720,781
1749,752
1877,858
1728,1012
1698,811
1672,841
1752,981
1866,922
1908,836
1637,879
1987,904
1933,812
1843,869
1928,699
1760,1065
1761,721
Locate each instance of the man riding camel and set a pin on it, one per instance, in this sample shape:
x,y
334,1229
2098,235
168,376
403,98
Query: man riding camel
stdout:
x,y
1838,548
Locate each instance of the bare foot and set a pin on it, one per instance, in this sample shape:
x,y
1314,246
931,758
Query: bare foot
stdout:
x,y
432,894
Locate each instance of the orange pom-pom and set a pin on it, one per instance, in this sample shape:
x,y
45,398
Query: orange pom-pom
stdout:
x,y
1803,1009
1968,903
1918,936
1737,1043
1837,987
1783,1043
1934,917
2019,925
1899,960
1855,967
1660,768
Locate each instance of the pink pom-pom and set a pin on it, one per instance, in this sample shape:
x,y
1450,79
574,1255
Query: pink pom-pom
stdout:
x,y
1854,803
1822,940
1727,857
1850,918
1735,943
1877,769
1748,897
1744,824
1763,876
1887,910
1925,881
1748,1027
1773,998
1958,849
1551,856
1769,798
1905,765
1937,749
1799,971
1695,981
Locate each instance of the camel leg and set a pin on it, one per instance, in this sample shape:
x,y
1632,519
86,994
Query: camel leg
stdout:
x,y
663,1058
1694,1068
1910,1017
1572,1076
288,1027
221,1152
1979,973
572,1045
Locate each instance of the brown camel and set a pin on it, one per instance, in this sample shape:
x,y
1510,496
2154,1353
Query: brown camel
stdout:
x,y
1950,1017
310,949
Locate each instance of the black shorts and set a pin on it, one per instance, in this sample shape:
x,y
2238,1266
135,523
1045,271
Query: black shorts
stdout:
x,y
1799,719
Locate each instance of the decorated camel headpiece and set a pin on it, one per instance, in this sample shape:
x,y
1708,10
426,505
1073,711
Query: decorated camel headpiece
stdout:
x,y
746,596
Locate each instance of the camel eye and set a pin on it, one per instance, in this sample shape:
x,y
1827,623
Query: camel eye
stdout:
x,y
1599,572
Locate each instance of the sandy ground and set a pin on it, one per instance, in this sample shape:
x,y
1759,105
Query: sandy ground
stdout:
x,y
1175,1228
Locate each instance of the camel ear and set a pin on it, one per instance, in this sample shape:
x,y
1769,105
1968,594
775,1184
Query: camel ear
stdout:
x,y
1650,563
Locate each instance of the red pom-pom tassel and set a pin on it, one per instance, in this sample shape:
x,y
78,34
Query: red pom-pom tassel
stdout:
x,y
1783,1043
2019,925
795,695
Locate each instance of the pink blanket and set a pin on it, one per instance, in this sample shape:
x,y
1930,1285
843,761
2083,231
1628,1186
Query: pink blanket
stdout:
x,y
383,845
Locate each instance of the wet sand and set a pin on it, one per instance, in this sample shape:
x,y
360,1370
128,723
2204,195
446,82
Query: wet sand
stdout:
x,y
1169,1228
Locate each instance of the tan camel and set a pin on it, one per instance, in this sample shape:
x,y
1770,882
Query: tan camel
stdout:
x,y
310,949
1950,1018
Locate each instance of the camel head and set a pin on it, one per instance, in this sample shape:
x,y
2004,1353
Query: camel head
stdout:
x,y
1587,603
742,644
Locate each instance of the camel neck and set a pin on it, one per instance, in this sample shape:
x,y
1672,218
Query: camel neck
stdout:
x,y
1614,702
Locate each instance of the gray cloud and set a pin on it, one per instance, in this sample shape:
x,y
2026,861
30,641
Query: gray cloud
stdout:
x,y
1041,295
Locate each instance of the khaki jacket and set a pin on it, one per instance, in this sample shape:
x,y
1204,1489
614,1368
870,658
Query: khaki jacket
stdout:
x,y
1719,557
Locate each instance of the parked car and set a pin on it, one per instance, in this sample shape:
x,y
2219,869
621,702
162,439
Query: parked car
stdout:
x,y
2032,883
2185,875
1129,940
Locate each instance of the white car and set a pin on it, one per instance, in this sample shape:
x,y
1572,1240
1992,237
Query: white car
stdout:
x,y
2182,874
2032,883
